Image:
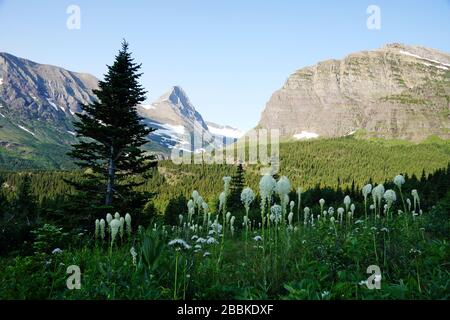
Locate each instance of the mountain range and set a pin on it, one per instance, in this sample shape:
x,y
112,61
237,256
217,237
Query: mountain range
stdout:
x,y
38,105
395,92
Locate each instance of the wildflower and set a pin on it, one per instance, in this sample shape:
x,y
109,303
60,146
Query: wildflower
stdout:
x,y
109,218
179,244
57,251
307,212
340,212
257,238
97,228
180,217
322,203
197,246
133,255
390,197
267,186
128,222
102,228
331,211
226,184
122,226
283,187
416,199
117,216
399,181
233,218
228,216
366,190
377,194
195,237
292,204
325,294
290,216
201,240
347,202
299,202
247,197
115,225
222,199
211,240
276,211
195,196
408,201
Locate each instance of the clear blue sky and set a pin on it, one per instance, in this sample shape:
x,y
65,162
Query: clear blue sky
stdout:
x,y
228,55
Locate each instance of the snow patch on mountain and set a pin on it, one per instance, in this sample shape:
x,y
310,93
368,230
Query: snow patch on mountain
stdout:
x,y
224,131
305,135
442,65
25,129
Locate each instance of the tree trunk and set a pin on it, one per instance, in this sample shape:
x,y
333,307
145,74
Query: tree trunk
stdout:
x,y
111,176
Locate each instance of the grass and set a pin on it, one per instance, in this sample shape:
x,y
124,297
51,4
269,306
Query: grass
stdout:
x,y
313,260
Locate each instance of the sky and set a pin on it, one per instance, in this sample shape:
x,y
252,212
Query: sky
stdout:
x,y
228,55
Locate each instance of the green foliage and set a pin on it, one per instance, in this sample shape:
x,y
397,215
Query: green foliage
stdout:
x,y
111,136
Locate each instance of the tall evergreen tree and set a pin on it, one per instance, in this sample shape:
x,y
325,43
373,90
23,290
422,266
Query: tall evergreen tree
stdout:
x,y
236,187
111,132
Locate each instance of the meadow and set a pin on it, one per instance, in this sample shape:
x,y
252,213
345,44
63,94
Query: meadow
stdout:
x,y
317,230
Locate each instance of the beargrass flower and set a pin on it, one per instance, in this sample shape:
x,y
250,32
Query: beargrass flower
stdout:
x,y
399,181
292,204
97,228
133,256
195,195
128,223
307,212
179,244
247,197
57,251
115,226
257,238
117,216
222,199
102,228
211,240
347,202
322,203
390,197
267,186
122,227
109,218
366,190
416,199
283,187
352,208
226,184
290,217
276,212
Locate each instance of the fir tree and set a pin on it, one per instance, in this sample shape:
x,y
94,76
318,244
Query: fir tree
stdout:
x,y
236,187
111,132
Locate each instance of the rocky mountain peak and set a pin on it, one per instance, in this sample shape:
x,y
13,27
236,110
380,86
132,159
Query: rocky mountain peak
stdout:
x,y
390,92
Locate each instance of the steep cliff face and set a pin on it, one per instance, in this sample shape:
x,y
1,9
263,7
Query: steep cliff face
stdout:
x,y
397,91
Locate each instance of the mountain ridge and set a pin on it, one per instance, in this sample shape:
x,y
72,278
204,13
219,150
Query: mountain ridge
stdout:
x,y
388,93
